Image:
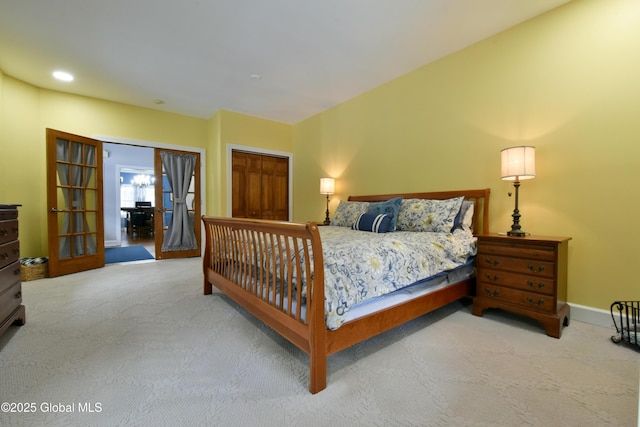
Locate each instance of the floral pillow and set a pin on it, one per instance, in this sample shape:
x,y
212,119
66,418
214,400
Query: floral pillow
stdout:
x,y
428,215
347,213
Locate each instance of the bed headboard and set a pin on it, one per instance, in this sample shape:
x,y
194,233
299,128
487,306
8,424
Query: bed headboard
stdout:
x,y
480,199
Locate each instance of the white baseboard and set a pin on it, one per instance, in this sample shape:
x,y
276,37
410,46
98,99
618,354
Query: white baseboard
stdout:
x,y
594,316
111,243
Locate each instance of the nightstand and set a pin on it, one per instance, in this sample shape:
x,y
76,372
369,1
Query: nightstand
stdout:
x,y
524,275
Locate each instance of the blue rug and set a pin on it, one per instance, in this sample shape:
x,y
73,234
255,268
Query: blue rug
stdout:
x,y
125,254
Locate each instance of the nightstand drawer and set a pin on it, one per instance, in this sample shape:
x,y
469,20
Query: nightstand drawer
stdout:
x,y
532,267
521,250
528,300
530,283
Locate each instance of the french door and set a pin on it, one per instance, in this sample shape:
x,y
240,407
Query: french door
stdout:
x,y
177,194
74,201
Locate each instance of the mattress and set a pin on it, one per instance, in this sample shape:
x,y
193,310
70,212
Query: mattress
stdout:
x,y
362,266
416,290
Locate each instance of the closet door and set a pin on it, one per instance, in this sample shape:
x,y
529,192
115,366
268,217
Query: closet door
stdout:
x,y
274,196
260,186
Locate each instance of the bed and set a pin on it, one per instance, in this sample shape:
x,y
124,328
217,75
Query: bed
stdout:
x,y
288,274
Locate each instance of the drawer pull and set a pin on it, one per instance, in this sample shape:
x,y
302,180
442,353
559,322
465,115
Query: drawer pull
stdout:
x,y
535,270
490,262
4,255
16,272
494,278
4,232
539,285
19,295
530,301
491,294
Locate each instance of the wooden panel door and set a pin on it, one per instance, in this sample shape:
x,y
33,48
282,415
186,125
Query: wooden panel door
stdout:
x,y
275,185
253,176
74,199
238,185
260,186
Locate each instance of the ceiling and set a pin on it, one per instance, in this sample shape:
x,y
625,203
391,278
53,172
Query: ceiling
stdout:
x,y
283,60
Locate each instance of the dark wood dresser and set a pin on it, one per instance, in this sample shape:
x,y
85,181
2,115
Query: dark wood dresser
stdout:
x,y
11,308
524,275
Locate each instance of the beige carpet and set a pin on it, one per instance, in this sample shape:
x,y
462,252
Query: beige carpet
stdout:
x,y
140,345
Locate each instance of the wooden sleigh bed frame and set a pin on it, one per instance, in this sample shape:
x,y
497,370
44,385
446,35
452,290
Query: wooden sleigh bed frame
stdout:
x,y
234,247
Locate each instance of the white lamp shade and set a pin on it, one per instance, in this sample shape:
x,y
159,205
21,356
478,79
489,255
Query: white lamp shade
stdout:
x,y
518,163
327,186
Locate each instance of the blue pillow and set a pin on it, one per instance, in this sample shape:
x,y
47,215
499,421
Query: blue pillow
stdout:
x,y
376,223
390,207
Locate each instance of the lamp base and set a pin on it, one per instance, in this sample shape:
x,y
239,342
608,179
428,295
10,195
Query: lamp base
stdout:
x,y
515,227
327,220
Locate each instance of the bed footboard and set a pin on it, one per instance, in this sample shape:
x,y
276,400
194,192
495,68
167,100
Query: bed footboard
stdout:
x,y
275,271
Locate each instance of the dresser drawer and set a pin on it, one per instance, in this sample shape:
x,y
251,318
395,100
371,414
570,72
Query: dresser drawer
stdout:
x,y
7,214
9,275
530,283
528,300
9,253
8,231
10,299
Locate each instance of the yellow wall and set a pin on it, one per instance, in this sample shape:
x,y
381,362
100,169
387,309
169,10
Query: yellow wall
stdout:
x,y
26,111
566,82
22,166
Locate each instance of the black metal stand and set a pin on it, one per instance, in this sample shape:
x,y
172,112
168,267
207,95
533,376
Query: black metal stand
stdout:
x,y
327,220
627,322
515,227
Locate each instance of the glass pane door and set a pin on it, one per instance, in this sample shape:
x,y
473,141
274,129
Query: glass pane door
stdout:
x,y
74,181
172,216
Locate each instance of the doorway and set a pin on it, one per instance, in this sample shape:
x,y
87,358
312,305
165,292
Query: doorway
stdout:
x,y
137,203
128,155
121,163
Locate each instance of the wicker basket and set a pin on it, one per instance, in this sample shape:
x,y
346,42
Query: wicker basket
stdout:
x,y
34,268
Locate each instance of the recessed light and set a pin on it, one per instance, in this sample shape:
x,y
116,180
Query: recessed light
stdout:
x,y
255,77
63,76
158,101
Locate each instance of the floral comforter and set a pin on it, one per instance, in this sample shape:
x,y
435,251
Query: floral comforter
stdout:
x,y
361,265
